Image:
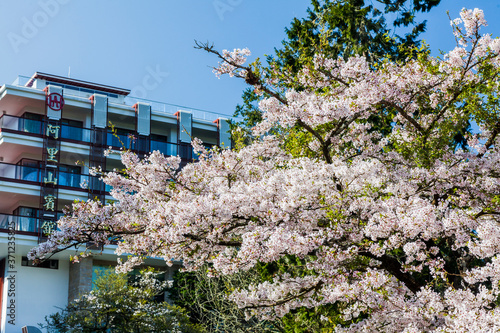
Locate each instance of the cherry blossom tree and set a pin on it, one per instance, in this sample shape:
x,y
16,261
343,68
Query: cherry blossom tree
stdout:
x,y
398,230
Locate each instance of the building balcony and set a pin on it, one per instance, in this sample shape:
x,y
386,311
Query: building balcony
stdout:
x,y
33,175
21,224
32,131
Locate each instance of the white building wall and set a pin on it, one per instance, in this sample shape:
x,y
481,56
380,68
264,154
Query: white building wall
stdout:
x,y
39,292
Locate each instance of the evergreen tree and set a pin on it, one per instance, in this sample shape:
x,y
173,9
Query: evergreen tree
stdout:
x,y
340,28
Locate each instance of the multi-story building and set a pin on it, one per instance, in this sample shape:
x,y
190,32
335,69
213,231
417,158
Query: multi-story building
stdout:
x,y
48,123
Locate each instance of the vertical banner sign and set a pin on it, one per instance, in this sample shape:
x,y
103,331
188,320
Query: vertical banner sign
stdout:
x,y
54,103
98,144
143,127
184,135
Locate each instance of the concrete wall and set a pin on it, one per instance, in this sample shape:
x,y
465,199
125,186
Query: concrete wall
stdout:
x,y
80,278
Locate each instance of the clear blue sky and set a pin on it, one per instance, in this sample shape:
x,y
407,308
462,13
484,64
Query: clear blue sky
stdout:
x,y
120,42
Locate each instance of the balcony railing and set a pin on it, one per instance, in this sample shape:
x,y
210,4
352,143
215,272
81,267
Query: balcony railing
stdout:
x,y
83,135
19,223
32,126
67,179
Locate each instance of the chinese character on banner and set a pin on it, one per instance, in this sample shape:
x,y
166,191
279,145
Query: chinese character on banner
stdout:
x,y
52,154
48,227
49,202
54,130
50,179
55,101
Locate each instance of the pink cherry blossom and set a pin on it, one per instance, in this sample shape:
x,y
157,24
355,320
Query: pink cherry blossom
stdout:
x,y
400,228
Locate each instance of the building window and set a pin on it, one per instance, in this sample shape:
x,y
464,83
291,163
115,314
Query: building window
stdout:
x,y
25,219
133,276
121,138
70,175
51,264
71,129
160,143
31,123
28,169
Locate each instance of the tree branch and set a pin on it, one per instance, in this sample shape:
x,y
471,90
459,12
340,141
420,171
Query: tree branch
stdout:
x,y
392,265
404,114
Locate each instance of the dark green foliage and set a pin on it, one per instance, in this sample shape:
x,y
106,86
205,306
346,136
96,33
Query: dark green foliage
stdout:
x,y
205,299
341,28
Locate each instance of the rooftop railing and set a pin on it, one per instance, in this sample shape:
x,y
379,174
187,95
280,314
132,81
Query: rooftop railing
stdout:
x,y
208,116
21,80
84,93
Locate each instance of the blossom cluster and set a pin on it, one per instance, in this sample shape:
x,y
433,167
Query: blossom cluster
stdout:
x,y
232,61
